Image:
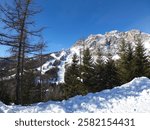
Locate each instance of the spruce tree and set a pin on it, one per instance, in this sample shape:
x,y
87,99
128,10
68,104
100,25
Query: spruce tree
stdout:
x,y
141,62
73,79
130,60
87,70
111,78
72,73
125,63
99,72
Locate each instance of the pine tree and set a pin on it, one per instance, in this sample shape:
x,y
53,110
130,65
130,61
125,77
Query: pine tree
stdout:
x,y
87,70
99,72
111,78
72,73
141,63
73,79
125,63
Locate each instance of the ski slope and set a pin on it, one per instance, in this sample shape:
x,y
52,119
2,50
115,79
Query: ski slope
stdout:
x,y
133,97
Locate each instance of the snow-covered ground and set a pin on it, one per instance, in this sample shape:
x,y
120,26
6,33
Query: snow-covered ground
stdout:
x,y
132,97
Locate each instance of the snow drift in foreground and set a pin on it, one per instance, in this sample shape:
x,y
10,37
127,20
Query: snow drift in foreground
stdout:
x,y
131,97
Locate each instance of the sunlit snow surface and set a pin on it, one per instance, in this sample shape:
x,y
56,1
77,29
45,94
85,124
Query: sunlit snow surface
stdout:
x,y
132,97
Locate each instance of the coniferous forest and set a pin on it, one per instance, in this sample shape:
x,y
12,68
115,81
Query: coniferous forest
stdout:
x,y
82,76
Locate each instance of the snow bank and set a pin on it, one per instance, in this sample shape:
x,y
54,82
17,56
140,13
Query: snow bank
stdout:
x,y
131,97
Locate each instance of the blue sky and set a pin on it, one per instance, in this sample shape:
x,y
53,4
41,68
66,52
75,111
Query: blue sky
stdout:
x,y
70,20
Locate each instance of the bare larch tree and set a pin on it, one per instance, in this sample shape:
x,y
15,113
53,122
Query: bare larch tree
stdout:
x,y
18,30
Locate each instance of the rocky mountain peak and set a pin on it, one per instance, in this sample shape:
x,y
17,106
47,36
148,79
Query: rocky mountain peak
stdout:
x,y
54,63
110,41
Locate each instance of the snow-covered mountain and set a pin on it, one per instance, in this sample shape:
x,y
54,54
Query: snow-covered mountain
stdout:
x,y
54,63
107,43
132,97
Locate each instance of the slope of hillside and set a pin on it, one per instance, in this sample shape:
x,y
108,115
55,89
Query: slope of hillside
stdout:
x,y
131,97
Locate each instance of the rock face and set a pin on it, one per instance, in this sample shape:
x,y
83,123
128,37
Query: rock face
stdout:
x,y
108,43
111,40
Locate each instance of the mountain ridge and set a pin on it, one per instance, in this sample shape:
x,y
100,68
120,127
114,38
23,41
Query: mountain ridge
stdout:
x,y
109,42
